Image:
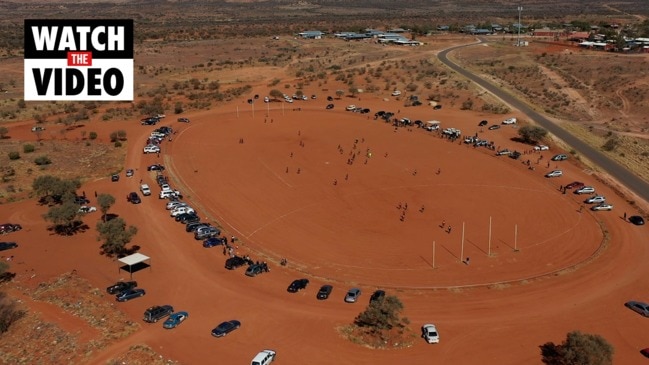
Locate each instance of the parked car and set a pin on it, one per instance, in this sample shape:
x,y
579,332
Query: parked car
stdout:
x,y
396,93
585,190
114,178
207,232
10,227
144,188
352,295
350,108
264,357
183,120
170,194
637,220
38,129
509,121
7,245
515,155
129,173
151,149
212,241
181,210
595,199
175,204
175,319
133,198
330,106
503,152
639,307
429,333
155,167
129,294
560,157
541,147
87,209
645,352
493,127
225,327
186,218
324,292
574,185
235,262
193,226
554,173
602,206
81,200
483,123
377,296
297,285
157,312
254,270
121,286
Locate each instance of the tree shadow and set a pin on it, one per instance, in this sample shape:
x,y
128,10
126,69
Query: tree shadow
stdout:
x,y
109,216
68,229
6,277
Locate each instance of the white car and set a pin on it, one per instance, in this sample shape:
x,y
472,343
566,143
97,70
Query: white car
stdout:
x,y
554,173
541,147
602,206
350,108
146,191
396,93
175,204
266,99
166,194
595,200
585,190
289,100
181,210
429,333
87,209
509,121
151,149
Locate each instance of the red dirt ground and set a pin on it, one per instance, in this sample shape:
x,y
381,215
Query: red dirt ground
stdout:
x,y
350,234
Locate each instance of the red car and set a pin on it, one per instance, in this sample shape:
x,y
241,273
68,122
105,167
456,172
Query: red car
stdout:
x,y
645,352
574,185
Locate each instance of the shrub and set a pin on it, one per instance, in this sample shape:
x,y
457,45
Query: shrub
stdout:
x,y
9,312
28,148
118,144
14,155
42,160
578,349
92,135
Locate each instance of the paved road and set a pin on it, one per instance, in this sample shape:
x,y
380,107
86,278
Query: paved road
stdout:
x,y
624,176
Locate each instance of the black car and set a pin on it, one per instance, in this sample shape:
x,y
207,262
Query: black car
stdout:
x,y
515,155
212,241
156,167
7,245
133,198
157,312
129,294
330,98
187,217
482,123
81,200
324,292
121,286
235,262
193,226
225,328
114,178
9,227
437,107
183,120
637,220
297,285
330,106
377,296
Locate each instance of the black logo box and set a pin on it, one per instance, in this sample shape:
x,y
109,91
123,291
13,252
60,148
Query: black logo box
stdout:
x,y
32,52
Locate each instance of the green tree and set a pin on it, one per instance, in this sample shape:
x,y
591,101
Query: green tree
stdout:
x,y
578,349
3,132
383,314
52,189
64,217
116,235
532,134
276,94
105,202
353,90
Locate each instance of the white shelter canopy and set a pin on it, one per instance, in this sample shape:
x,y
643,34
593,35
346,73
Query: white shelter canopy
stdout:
x,y
133,260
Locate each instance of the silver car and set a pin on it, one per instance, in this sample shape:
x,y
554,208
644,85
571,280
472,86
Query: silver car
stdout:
x,y
585,190
352,295
554,173
595,200
602,206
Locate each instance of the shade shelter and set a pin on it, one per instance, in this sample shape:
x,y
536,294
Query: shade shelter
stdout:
x,y
134,262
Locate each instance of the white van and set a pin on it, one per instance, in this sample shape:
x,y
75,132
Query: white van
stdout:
x,y
265,357
146,191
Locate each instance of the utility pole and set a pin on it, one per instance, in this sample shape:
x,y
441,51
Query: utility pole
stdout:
x,y
520,10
